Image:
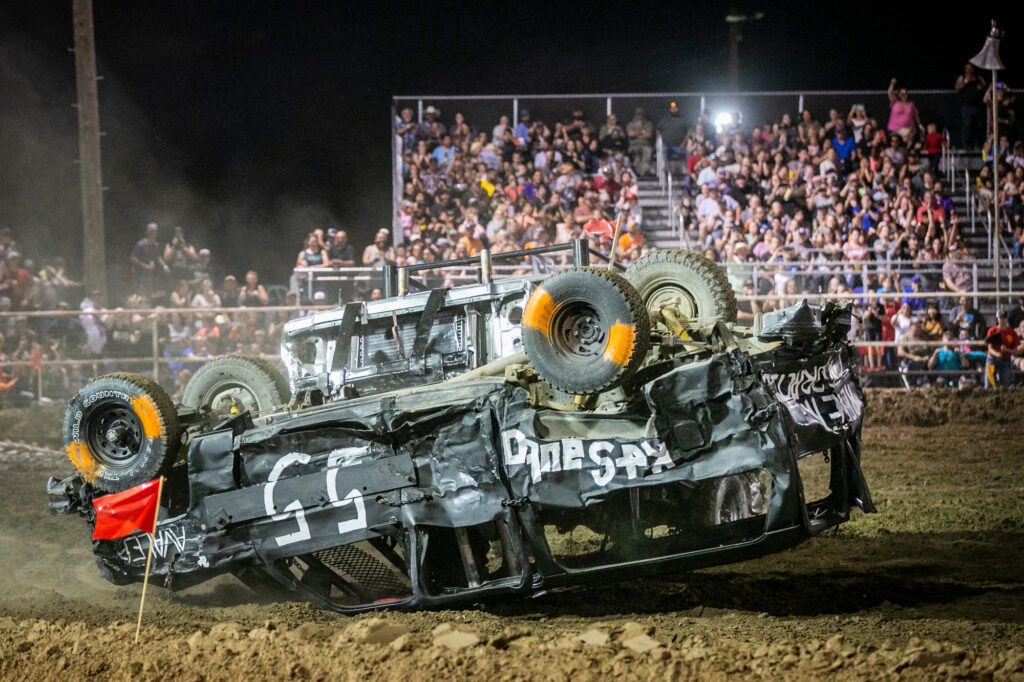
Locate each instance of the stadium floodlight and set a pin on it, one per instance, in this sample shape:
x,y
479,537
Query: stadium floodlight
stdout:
x,y
723,120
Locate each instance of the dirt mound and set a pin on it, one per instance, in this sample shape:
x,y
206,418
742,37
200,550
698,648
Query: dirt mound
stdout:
x,y
389,650
938,406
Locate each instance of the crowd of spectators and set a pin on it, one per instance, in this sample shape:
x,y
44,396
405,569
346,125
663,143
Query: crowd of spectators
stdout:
x,y
850,204
171,292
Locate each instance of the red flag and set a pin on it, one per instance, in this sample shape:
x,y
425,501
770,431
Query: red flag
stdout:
x,y
601,228
124,513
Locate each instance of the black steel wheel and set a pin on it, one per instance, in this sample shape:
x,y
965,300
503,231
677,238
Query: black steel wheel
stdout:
x,y
585,330
121,430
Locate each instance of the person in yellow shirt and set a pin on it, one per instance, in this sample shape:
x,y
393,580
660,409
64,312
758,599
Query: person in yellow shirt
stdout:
x,y
468,236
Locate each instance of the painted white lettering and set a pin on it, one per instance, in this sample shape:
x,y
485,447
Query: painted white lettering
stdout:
x,y
294,507
572,454
607,472
632,457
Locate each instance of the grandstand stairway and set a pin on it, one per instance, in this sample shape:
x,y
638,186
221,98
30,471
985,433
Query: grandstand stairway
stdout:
x,y
653,200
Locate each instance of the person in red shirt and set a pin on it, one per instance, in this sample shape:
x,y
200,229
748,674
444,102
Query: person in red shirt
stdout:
x,y
933,144
1003,343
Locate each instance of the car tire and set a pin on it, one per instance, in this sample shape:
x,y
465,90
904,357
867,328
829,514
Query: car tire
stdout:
x,y
585,330
121,430
698,287
724,500
236,383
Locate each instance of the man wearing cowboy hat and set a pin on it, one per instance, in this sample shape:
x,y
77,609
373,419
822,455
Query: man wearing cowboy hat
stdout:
x,y
431,126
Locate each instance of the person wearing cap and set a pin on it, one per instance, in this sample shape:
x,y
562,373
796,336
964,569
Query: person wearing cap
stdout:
x,y
200,270
229,292
673,132
640,132
432,130
1002,343
575,125
606,182
524,129
709,172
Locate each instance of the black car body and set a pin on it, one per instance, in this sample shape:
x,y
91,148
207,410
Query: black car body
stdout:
x,y
457,487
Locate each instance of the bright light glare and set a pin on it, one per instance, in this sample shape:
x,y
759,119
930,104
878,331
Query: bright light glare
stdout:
x,y
723,120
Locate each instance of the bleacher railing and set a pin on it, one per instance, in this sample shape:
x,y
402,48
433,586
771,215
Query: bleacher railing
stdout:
x,y
31,371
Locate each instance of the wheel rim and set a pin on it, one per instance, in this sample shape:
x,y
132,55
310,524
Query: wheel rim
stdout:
x,y
115,434
231,398
672,295
578,332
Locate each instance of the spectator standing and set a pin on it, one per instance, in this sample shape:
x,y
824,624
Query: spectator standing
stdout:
x,y
229,294
379,253
15,281
313,255
903,118
148,262
640,132
406,128
1003,343
673,132
341,254
180,255
971,88
253,293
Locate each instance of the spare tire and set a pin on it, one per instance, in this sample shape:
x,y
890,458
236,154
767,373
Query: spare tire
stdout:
x,y
121,430
234,384
585,330
696,286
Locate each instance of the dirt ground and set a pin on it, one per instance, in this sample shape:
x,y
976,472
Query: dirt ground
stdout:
x,y
931,587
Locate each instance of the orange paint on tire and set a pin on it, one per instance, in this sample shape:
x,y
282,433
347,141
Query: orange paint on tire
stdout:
x,y
149,416
538,312
620,343
81,457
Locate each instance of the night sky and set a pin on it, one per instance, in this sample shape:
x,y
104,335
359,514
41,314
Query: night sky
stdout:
x,y
252,123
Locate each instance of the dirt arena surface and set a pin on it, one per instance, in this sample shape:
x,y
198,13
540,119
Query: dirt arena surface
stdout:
x,y
931,587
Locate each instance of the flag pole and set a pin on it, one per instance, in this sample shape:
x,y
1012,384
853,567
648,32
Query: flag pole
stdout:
x,y
149,557
615,240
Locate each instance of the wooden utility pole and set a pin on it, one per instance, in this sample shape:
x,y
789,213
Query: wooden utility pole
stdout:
x,y
93,243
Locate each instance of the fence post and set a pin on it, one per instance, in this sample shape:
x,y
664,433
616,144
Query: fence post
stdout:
x,y
974,275
156,350
800,106
609,107
419,111
515,111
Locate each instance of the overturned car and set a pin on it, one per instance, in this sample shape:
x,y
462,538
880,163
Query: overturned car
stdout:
x,y
501,437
